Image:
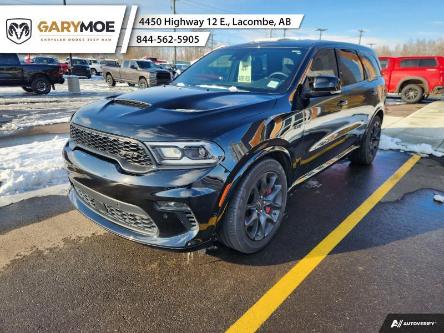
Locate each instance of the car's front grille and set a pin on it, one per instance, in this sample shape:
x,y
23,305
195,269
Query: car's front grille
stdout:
x,y
131,154
163,77
113,210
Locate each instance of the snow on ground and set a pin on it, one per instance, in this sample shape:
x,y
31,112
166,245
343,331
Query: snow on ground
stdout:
x,y
32,166
19,109
390,143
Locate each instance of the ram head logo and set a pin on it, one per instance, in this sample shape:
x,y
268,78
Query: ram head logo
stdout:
x,y
18,30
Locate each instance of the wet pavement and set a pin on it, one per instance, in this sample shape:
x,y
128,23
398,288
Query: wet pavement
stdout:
x,y
66,274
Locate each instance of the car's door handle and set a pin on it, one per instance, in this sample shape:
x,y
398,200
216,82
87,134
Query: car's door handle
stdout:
x,y
343,102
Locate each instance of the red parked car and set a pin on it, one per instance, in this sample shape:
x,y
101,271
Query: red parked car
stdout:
x,y
415,77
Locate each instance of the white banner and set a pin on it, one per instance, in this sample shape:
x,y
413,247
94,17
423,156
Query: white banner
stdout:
x,y
219,21
153,38
60,29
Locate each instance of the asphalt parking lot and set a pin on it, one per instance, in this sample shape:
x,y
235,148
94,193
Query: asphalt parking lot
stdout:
x,y
59,272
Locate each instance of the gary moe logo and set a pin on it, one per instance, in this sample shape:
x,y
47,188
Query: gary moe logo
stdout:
x,y
18,30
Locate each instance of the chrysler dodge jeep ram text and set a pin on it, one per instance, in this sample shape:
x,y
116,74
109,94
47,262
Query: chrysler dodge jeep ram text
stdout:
x,y
36,78
213,155
415,77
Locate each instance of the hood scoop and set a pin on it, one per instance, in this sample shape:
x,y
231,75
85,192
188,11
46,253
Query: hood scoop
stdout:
x,y
131,102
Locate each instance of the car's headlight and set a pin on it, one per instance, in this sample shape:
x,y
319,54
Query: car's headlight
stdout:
x,y
186,153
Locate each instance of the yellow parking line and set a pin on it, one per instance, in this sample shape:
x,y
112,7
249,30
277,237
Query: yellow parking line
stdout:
x,y
274,297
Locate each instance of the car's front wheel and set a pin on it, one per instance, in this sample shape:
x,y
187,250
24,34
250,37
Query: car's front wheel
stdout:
x,y
110,80
256,210
143,83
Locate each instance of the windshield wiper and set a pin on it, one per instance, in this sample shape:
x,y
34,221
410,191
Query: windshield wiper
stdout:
x,y
214,86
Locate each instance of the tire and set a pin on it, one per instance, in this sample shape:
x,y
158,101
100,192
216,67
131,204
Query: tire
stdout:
x,y
27,89
412,93
110,80
241,228
41,85
143,83
366,152
131,84
93,71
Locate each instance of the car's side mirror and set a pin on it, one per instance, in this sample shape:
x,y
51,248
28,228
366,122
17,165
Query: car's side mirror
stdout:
x,y
324,86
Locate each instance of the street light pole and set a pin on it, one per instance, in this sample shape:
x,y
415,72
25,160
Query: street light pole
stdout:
x,y
361,32
70,55
321,30
175,49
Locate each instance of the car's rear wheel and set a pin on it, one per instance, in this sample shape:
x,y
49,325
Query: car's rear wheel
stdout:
x,y
366,153
143,83
110,80
27,89
41,85
255,212
93,71
412,93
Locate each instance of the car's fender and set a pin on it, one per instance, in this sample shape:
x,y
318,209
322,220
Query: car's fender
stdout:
x,y
267,148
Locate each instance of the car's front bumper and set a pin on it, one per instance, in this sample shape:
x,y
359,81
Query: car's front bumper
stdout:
x,y
100,189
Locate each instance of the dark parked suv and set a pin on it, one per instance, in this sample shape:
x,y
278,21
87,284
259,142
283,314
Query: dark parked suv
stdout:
x,y
213,155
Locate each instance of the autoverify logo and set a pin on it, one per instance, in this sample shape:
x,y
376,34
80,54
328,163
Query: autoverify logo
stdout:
x,y
18,30
413,323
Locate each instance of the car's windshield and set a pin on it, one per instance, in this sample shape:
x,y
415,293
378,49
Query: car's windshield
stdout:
x,y
110,63
42,60
145,64
79,62
266,69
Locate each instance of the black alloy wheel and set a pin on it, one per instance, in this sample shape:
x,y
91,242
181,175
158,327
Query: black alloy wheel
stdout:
x,y
256,208
366,152
263,206
41,86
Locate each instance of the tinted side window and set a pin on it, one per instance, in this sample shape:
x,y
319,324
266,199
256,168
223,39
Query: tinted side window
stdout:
x,y
430,62
324,63
125,64
350,67
409,63
371,67
8,59
384,63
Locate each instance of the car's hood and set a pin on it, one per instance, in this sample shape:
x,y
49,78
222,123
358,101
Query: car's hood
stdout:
x,y
170,112
154,70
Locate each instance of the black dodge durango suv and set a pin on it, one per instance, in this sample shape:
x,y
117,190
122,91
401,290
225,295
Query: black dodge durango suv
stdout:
x,y
213,155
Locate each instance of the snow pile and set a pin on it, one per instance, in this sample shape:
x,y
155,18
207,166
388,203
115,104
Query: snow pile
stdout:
x,y
32,166
438,198
31,121
390,143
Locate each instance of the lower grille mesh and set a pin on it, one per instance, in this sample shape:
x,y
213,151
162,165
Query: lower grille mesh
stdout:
x,y
137,222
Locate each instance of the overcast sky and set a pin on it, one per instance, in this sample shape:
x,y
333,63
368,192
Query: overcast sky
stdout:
x,y
385,21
